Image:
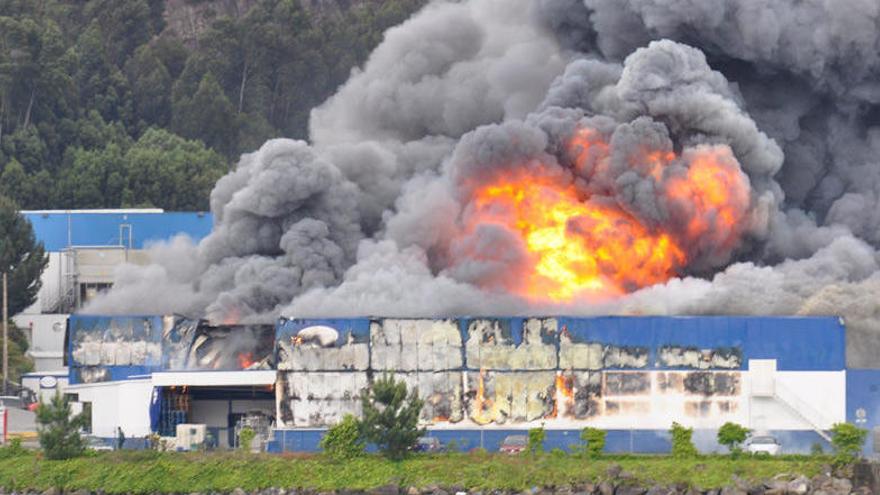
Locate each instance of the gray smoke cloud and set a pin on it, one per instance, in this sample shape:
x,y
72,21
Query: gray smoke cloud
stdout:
x,y
375,216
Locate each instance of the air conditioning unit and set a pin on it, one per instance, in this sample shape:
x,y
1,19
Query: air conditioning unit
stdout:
x,y
190,436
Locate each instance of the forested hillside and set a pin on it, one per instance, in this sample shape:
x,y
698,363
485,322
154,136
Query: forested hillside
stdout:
x,y
110,103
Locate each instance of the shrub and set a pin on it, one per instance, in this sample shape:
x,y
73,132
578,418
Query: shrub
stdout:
x,y
391,417
732,435
13,449
816,449
847,440
595,441
58,429
536,440
343,440
246,438
682,446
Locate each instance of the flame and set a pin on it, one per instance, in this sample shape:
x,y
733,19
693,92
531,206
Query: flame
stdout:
x,y
576,246
563,399
482,408
245,360
580,242
232,316
718,193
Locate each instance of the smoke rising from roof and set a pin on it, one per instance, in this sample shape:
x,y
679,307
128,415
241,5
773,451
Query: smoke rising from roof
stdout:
x,y
368,218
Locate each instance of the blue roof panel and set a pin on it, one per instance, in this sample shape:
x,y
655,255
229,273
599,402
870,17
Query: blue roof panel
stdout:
x,y
58,230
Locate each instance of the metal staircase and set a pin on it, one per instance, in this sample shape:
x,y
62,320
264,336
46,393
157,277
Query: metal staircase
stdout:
x,y
801,409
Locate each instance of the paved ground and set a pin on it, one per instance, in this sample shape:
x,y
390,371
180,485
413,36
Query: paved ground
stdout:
x,y
21,420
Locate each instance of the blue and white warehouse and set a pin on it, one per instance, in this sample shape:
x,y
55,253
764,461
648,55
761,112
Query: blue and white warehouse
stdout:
x,y
482,378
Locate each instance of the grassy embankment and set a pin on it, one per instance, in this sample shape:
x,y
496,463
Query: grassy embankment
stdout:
x,y
144,472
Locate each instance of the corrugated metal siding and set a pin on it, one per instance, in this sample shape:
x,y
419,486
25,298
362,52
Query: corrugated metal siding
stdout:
x,y
102,229
797,343
863,403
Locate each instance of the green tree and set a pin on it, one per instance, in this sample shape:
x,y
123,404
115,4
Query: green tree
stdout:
x,y
58,429
100,83
732,435
245,438
595,441
124,25
536,440
14,182
150,83
208,116
167,171
343,440
92,179
847,440
390,417
682,445
21,256
19,362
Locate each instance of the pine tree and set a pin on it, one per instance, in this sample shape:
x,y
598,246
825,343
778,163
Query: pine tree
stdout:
x,y
390,417
21,256
58,429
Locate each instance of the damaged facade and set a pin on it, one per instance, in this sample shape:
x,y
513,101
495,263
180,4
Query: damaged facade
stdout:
x,y
501,371
475,374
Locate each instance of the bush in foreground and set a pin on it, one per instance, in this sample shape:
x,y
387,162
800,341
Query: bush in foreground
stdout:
x,y
246,438
391,417
847,440
58,429
536,440
682,445
343,440
595,441
732,436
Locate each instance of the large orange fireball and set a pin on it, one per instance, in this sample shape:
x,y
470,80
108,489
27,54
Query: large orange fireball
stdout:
x,y
588,246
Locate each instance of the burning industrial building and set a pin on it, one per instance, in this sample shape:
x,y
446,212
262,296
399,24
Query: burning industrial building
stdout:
x,y
562,157
481,377
515,157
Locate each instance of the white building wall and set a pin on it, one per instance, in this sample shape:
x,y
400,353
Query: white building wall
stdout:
x,y
122,404
46,336
51,287
803,399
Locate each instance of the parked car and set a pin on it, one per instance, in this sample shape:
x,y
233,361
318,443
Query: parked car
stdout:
x,y
428,444
514,444
764,444
94,443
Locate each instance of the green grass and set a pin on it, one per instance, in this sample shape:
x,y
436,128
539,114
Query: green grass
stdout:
x,y
146,472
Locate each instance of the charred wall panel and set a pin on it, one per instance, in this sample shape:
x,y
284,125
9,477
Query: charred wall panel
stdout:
x,y
102,348
415,345
511,344
501,397
323,345
522,371
197,345
317,399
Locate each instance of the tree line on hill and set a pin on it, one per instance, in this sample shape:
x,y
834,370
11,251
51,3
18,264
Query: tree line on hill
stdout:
x,y
103,106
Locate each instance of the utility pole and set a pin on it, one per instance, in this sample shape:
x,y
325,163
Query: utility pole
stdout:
x,y
5,338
